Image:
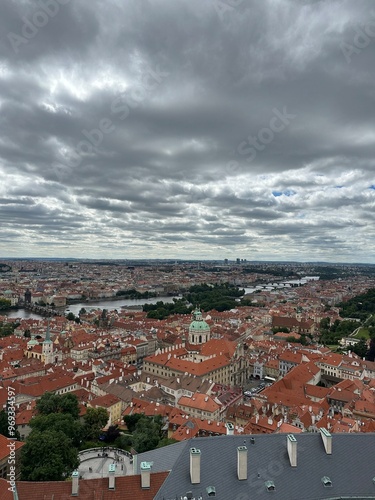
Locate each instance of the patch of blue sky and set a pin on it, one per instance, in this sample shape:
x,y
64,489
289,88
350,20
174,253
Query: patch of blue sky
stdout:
x,y
287,192
372,186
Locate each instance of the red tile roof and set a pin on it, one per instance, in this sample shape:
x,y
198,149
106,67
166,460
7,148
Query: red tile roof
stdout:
x,y
126,488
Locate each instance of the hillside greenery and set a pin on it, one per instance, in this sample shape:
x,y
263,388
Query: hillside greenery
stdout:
x,y
360,306
332,334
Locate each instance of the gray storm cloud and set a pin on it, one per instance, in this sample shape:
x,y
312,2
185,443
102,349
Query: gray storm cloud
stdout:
x,y
188,129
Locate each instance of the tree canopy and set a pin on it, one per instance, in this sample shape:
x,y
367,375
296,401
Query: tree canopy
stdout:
x,y
4,304
331,334
56,403
94,421
48,456
147,433
65,422
220,297
51,449
360,306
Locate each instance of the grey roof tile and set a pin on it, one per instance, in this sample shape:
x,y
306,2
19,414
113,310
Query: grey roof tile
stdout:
x,y
351,467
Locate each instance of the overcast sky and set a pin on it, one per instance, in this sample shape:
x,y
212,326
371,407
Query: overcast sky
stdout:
x,y
200,129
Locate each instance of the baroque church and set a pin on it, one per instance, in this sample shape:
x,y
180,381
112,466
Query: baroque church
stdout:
x,y
219,360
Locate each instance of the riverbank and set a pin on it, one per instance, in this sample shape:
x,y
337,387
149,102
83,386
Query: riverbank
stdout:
x,y
115,298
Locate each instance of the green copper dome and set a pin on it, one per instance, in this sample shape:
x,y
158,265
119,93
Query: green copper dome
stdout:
x,y
198,324
33,341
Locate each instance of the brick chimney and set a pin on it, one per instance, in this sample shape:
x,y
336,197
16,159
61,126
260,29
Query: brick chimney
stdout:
x,y
242,463
292,449
195,465
327,440
145,475
75,479
111,470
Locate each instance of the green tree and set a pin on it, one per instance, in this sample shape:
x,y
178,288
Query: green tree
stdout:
x,y
132,420
112,434
7,329
4,304
94,421
48,456
360,348
65,422
147,433
56,403
124,441
282,329
292,339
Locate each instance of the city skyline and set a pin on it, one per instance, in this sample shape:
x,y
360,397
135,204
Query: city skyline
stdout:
x,y
190,130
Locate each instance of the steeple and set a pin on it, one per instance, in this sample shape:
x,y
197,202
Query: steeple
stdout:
x,y
47,347
48,335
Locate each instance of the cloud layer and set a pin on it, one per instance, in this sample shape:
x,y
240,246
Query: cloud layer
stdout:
x,y
191,129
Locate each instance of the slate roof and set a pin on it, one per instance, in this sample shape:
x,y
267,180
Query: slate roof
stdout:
x,y
350,467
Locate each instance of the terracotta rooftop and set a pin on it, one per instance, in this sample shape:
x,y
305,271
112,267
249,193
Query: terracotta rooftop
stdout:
x,y
126,488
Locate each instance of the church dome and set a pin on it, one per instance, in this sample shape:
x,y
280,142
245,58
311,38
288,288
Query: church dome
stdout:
x,y
198,326
199,330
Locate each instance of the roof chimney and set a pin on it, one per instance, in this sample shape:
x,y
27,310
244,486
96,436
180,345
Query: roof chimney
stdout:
x,y
111,470
230,428
327,440
75,478
292,449
145,474
195,465
242,463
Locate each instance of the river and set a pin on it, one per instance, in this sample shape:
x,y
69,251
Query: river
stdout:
x,y
116,304
102,304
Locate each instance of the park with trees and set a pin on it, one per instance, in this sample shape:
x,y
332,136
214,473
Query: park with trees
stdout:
x,y
59,433
221,297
